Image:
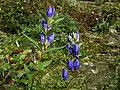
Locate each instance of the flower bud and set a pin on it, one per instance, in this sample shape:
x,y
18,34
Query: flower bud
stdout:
x,y
51,38
70,64
69,48
44,24
64,74
50,11
76,49
76,64
42,37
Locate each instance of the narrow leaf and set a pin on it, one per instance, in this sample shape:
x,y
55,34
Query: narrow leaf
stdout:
x,y
27,70
53,49
42,65
21,73
1,57
5,66
58,20
33,41
30,78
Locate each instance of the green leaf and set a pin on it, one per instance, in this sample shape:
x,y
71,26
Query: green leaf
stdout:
x,y
27,70
29,75
24,54
42,65
58,20
82,53
74,89
21,73
51,21
1,50
53,49
13,87
5,66
27,51
33,41
30,78
23,80
17,43
1,57
40,87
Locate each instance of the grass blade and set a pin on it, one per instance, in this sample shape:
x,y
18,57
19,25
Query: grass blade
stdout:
x,y
33,41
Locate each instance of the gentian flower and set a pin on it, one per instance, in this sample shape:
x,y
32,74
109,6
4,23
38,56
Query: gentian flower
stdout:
x,y
50,11
70,64
51,38
69,48
76,49
42,37
76,64
76,37
45,25
64,74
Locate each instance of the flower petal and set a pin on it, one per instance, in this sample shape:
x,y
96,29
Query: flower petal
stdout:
x,y
50,11
76,49
44,24
51,38
64,74
76,64
42,37
70,64
69,48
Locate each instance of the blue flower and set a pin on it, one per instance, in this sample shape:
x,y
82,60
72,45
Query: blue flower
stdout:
x,y
64,74
76,64
45,25
51,38
76,49
50,11
42,37
69,48
70,64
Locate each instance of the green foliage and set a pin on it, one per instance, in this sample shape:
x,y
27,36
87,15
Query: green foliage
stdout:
x,y
15,13
42,65
54,49
111,12
23,72
34,42
62,30
102,26
20,68
58,20
68,27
